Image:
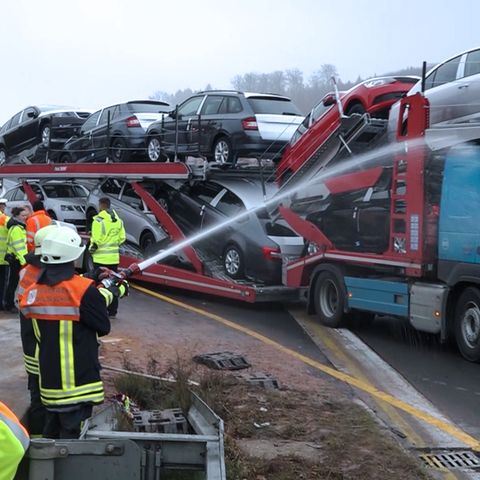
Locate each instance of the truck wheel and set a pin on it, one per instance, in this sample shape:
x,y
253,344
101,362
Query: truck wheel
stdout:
x,y
467,324
329,299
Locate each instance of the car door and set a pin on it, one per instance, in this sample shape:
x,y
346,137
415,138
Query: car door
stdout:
x,y
468,85
28,130
211,116
83,148
186,117
442,90
100,133
11,135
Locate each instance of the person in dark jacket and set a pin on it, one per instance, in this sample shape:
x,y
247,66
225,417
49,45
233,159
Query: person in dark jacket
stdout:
x,y
16,251
68,313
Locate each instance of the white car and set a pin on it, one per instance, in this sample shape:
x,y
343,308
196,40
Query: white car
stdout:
x,y
64,201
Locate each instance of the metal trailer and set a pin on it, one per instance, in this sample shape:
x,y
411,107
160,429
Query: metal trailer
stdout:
x,y
207,276
106,454
412,277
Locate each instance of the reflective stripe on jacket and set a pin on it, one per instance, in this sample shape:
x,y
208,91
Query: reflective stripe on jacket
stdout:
x,y
68,364
107,234
17,243
28,276
3,238
34,223
14,442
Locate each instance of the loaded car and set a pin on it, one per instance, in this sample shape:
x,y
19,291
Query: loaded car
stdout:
x,y
374,96
140,224
64,201
121,139
250,248
452,88
222,125
33,126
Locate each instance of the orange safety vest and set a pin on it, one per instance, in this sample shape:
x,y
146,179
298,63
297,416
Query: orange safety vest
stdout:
x,y
28,275
34,223
55,302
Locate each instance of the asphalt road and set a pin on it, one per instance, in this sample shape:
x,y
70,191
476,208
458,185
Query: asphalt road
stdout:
x,y
437,371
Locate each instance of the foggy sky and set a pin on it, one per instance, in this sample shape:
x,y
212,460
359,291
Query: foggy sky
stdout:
x,y
91,53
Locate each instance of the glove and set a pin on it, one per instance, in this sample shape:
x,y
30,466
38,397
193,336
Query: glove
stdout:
x,y
119,290
98,274
92,247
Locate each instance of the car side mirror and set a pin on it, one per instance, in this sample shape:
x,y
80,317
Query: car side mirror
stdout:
x,y
172,114
329,100
32,114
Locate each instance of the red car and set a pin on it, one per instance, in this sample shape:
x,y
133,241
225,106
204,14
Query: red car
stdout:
x,y
374,96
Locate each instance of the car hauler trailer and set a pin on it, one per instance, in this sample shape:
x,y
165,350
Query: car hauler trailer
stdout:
x,y
414,251
205,274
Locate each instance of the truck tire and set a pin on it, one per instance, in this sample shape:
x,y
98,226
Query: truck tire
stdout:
x,y
330,300
467,324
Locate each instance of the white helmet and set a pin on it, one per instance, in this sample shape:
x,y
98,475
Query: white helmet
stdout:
x,y
40,236
61,245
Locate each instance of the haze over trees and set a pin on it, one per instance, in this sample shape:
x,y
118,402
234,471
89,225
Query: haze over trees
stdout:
x,y
305,92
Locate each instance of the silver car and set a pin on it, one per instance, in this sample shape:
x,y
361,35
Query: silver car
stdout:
x,y
141,225
453,90
63,200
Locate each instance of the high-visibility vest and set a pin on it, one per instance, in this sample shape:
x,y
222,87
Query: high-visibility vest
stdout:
x,y
14,441
34,223
107,235
17,243
3,237
28,276
61,366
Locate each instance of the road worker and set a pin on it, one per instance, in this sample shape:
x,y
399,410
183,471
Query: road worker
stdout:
x,y
16,251
108,233
14,442
67,312
29,275
37,220
3,250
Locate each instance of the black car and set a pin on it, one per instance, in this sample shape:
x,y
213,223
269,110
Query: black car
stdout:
x,y
120,139
251,247
32,127
222,125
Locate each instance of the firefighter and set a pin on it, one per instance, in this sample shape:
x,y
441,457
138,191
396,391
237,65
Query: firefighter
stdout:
x,y
29,275
37,220
3,250
16,251
108,233
14,442
67,313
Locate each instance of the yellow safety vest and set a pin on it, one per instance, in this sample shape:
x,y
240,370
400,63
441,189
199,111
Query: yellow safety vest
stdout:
x,y
3,238
107,235
17,243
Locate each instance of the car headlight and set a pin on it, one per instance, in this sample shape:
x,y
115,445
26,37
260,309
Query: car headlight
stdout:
x,y
312,248
67,208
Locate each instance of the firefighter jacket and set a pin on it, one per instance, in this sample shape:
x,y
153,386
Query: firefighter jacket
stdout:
x,y
28,276
108,233
14,441
67,314
35,222
17,240
3,238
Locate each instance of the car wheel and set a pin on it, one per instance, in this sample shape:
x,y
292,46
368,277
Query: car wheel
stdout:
x,y
467,324
355,108
146,239
154,150
66,158
233,262
3,156
118,150
222,151
329,299
52,215
45,135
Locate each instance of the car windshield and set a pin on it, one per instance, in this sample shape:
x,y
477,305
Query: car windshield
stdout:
x,y
50,108
64,191
272,105
147,107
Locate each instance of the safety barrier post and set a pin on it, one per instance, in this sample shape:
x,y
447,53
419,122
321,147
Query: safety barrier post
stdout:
x,y
176,134
108,137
